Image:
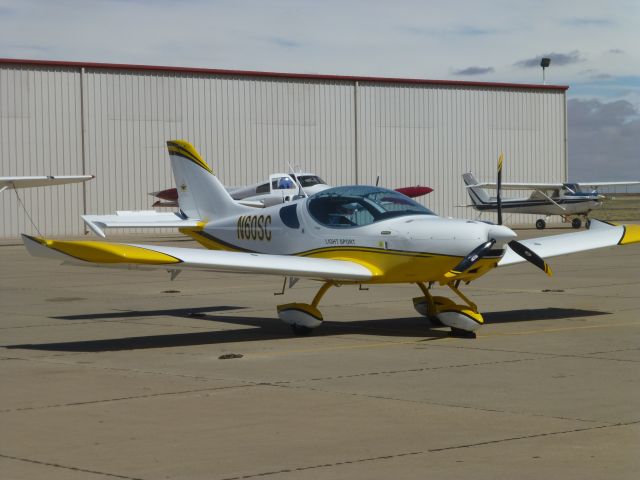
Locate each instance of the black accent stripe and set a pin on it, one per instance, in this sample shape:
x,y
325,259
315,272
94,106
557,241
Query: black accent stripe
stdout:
x,y
307,253
222,242
624,232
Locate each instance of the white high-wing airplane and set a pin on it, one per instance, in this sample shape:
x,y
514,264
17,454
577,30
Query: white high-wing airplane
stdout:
x,y
280,188
569,200
343,235
9,183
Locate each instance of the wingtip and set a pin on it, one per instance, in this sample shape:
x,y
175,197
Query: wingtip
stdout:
x,y
26,238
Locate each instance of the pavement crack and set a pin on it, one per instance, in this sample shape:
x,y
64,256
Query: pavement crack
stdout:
x,y
408,370
131,397
294,470
67,467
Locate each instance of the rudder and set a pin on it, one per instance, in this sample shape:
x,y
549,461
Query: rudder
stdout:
x,y
200,194
478,195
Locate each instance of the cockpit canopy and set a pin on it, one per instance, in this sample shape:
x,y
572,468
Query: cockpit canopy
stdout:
x,y
357,206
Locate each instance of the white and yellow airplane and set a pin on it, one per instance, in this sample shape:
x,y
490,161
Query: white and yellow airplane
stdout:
x,y
343,235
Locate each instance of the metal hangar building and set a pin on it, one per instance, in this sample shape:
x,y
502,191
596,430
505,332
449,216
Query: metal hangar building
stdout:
x,y
112,121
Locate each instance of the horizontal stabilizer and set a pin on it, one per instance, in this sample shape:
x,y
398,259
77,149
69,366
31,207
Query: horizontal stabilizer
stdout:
x,y
138,219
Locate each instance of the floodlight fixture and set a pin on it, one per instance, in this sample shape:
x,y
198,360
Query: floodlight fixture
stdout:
x,y
544,63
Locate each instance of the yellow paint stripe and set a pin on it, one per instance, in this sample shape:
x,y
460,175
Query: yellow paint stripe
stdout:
x,y
184,148
103,252
631,234
561,329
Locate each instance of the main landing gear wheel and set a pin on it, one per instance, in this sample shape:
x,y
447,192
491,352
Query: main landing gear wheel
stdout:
x,y
540,224
302,317
587,224
576,223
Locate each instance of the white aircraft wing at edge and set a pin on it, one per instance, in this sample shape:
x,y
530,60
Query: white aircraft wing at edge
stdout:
x,y
606,184
599,235
520,186
179,258
548,186
41,181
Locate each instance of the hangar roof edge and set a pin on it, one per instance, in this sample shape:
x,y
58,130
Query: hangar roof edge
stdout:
x,y
294,76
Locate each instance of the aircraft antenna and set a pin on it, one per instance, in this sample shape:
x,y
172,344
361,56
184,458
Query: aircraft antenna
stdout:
x,y
301,192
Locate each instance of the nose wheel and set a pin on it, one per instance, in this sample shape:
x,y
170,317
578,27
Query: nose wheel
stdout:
x,y
464,320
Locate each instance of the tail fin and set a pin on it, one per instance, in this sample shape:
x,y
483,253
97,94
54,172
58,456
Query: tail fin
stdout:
x,y
200,193
478,195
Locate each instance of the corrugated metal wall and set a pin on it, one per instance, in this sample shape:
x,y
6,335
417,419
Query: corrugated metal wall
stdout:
x,y
40,135
248,126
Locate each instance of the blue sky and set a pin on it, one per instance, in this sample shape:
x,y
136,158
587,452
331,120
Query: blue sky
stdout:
x,y
594,48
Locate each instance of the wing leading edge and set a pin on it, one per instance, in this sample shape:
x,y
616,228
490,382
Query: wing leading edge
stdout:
x,y
178,258
41,181
599,235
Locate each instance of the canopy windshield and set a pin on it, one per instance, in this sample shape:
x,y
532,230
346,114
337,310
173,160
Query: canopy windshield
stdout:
x,y
357,206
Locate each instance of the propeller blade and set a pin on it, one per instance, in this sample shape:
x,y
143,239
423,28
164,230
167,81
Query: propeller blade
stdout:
x,y
499,188
530,256
471,259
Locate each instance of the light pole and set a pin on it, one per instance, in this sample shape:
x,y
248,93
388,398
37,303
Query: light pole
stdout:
x,y
544,63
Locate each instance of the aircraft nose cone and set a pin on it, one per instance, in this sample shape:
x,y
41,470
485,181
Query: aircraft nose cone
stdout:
x,y
501,234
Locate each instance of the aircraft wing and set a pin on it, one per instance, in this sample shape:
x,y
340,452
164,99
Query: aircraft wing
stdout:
x,y
177,258
599,235
606,184
138,219
41,181
520,186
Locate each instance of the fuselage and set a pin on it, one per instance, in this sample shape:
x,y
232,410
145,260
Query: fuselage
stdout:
x,y
565,205
411,245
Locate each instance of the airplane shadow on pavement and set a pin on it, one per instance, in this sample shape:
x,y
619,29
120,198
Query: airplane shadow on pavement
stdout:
x,y
270,328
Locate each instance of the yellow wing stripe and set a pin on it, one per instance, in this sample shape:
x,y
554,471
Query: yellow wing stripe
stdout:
x,y
631,235
182,148
103,252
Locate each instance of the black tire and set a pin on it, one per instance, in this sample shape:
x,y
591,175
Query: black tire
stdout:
x,y
540,224
459,333
301,330
435,321
587,224
576,223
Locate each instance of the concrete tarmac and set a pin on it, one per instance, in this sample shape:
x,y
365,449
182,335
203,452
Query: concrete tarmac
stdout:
x,y
118,374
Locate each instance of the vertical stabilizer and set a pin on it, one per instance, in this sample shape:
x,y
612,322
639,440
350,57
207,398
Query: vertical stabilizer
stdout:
x,y
200,193
478,195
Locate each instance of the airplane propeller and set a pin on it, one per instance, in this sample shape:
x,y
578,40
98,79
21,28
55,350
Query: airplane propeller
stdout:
x,y
477,253
530,256
472,258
